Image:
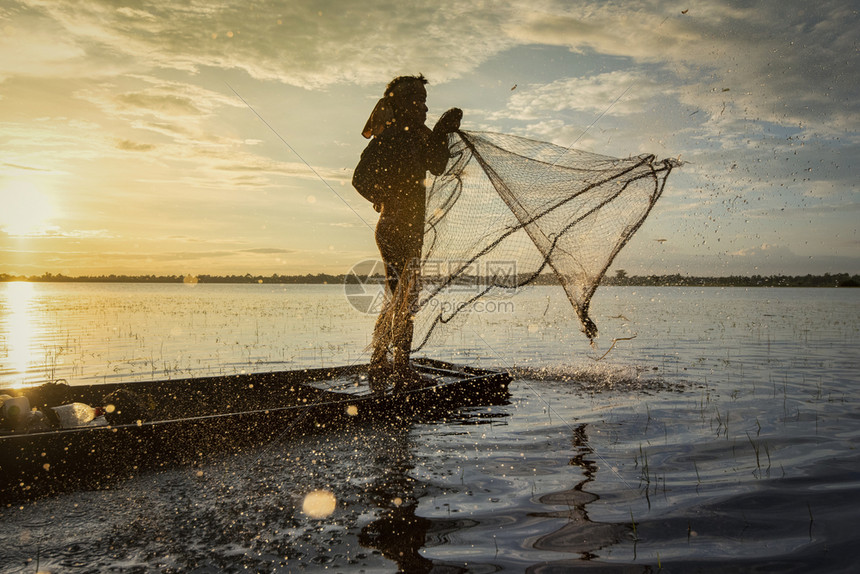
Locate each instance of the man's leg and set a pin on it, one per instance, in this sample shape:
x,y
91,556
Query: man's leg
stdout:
x,y
410,285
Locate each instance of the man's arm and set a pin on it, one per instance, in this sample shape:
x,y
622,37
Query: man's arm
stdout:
x,y
438,144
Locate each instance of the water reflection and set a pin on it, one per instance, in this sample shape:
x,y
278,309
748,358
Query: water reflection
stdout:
x,y
404,537
580,534
399,533
17,329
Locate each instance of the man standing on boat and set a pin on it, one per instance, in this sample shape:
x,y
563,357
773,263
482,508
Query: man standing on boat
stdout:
x,y
391,174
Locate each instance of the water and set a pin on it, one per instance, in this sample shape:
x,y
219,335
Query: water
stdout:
x,y
718,434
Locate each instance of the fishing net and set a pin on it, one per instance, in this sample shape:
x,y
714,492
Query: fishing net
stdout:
x,y
511,211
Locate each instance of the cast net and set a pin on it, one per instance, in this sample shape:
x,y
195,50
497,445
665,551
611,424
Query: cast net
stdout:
x,y
511,211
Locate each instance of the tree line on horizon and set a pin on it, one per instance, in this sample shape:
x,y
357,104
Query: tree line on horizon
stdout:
x,y
677,280
621,278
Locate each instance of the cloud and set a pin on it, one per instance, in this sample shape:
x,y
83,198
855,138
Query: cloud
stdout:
x,y
834,188
25,167
763,250
788,63
32,45
127,145
629,30
50,142
159,104
754,52
268,251
592,94
151,99
300,43
764,259
54,232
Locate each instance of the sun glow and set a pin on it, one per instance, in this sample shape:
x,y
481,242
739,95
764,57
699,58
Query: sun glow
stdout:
x,y
24,209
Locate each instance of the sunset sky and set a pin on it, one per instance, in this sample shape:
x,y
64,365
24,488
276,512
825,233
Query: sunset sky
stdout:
x,y
126,150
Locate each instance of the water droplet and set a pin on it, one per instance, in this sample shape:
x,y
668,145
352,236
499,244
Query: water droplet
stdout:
x,y
319,503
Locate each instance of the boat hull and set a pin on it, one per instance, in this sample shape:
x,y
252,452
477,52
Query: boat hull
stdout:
x,y
198,418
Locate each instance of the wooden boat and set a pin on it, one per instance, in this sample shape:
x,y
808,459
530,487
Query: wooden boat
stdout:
x,y
195,418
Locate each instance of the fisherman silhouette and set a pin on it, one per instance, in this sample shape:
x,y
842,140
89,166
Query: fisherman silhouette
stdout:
x,y
391,174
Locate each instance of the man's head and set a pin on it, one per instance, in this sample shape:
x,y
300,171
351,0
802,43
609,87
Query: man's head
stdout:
x,y
404,103
408,98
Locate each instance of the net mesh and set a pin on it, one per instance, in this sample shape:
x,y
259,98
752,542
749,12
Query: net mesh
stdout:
x,y
510,211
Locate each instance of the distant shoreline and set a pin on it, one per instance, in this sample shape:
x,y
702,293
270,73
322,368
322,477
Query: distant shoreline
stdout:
x,y
675,280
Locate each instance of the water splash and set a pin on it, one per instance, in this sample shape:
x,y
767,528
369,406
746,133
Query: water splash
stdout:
x,y
601,377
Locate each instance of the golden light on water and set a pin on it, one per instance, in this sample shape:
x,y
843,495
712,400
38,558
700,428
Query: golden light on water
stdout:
x,y
17,330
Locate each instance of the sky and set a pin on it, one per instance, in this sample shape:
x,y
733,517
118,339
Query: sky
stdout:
x,y
206,137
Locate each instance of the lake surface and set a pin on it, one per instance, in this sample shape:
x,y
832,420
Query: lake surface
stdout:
x,y
718,434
